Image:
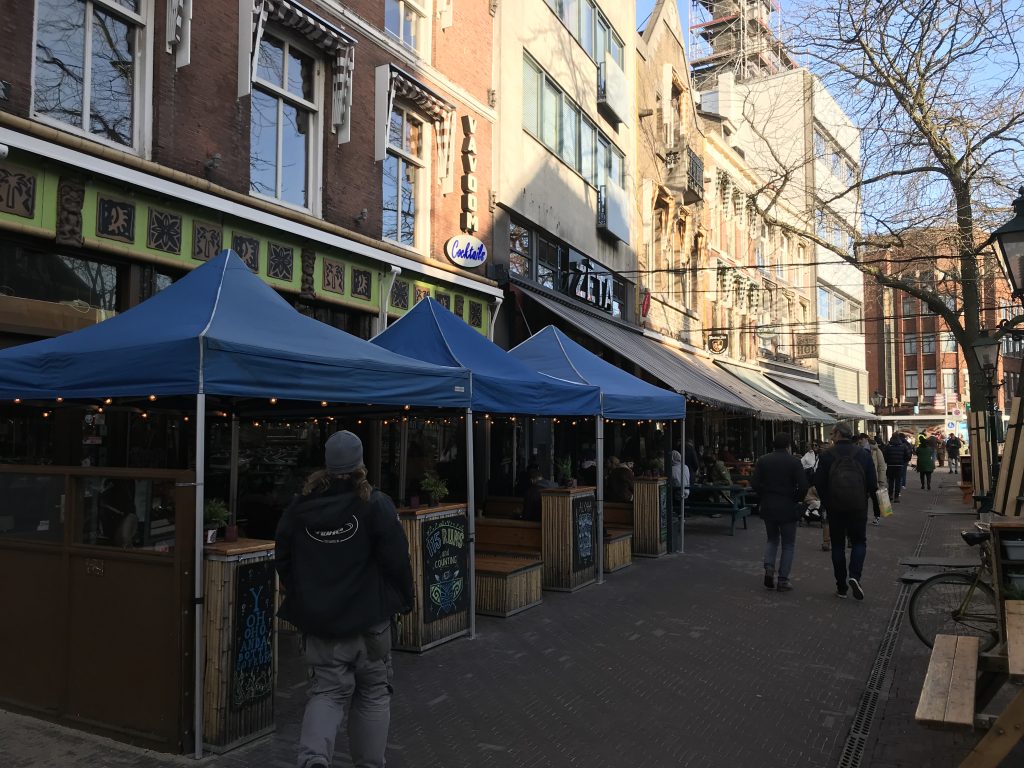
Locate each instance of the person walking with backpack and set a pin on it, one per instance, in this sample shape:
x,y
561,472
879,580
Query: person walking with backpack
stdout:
x,y
897,454
343,559
845,478
953,446
780,483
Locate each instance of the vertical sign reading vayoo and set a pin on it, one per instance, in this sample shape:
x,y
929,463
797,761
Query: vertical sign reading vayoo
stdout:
x,y
470,222
252,669
445,558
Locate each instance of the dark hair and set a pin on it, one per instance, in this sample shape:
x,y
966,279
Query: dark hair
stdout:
x,y
782,440
321,480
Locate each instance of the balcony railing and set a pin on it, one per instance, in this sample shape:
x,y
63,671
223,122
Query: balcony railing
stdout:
x,y
686,174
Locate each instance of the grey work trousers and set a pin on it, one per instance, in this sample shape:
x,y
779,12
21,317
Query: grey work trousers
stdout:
x,y
343,676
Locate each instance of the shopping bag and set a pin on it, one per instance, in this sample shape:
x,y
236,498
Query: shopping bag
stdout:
x,y
884,505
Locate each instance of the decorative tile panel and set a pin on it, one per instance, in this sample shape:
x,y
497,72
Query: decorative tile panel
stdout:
x,y
445,300
207,240
306,279
460,305
280,261
400,294
248,250
17,192
362,285
421,294
476,314
164,231
334,276
115,220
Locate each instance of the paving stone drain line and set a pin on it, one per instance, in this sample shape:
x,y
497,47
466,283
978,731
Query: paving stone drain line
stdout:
x,y
857,740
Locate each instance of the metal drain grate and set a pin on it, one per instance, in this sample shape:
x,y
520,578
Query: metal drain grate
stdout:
x,y
856,741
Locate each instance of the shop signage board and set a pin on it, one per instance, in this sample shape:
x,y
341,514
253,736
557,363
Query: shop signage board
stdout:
x,y
252,663
445,564
718,343
584,518
466,251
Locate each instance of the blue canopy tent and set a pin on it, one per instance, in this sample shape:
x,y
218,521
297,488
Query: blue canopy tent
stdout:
x,y
220,330
623,396
501,382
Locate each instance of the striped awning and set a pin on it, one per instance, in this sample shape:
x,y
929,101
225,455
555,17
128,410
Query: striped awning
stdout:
x,y
325,36
776,394
815,393
440,112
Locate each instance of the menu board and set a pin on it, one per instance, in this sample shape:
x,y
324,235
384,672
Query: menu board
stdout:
x,y
252,664
663,512
584,518
445,558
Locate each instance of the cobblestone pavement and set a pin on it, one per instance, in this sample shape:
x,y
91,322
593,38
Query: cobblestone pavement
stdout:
x,y
680,661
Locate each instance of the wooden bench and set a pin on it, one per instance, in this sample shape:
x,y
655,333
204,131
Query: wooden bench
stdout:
x,y
498,536
506,585
618,547
504,507
948,694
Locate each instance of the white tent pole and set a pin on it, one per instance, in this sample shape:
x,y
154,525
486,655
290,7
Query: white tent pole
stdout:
x,y
233,471
599,439
197,589
682,502
471,513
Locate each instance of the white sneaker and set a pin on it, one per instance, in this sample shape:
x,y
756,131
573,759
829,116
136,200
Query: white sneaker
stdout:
x,y
855,588
875,521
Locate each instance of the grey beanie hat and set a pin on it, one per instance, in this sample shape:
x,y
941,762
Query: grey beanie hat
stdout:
x,y
343,453
844,429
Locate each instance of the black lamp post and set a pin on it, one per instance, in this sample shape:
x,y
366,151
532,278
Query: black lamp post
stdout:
x,y
876,401
986,347
1008,242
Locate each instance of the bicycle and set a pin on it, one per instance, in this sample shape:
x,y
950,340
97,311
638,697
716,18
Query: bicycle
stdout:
x,y
959,603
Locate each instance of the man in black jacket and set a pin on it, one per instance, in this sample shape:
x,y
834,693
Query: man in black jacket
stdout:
x,y
844,479
781,483
343,560
897,455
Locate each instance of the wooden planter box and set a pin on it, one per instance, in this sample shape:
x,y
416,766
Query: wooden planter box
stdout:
x,y
650,516
506,585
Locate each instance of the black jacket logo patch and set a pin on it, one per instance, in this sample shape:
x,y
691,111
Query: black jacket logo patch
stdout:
x,y
334,535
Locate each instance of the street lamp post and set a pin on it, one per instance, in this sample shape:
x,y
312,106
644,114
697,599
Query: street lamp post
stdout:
x,y
876,401
986,347
1008,242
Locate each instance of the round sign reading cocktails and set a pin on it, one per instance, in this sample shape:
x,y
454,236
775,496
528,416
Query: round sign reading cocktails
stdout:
x,y
465,251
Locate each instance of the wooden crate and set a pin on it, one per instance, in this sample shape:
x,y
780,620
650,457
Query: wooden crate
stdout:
x,y
507,585
226,726
618,549
414,633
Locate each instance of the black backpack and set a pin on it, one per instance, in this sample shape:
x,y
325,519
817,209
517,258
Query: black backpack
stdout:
x,y
846,484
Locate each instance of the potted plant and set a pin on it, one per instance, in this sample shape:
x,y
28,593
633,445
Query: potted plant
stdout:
x,y
215,515
563,470
434,486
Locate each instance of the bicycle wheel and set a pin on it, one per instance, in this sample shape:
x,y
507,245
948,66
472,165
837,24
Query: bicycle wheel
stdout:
x,y
954,604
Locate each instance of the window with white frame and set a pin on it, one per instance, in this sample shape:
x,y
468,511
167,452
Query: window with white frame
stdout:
x,y
949,381
928,343
89,56
403,169
929,383
948,342
910,345
910,385
284,139
405,19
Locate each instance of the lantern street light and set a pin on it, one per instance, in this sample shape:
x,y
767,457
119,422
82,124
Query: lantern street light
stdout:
x,y
1008,242
986,348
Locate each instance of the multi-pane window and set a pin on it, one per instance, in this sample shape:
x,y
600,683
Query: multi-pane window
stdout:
x,y
403,167
823,303
561,126
929,383
910,385
283,138
948,342
405,20
909,308
589,26
520,258
910,345
87,66
949,381
928,343
552,264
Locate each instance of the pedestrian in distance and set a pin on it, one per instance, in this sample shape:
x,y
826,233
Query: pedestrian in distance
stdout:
x,y
953,446
910,446
780,483
878,460
897,454
940,450
343,560
844,479
925,464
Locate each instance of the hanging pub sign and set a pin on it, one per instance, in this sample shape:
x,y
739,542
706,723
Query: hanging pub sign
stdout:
x,y
645,304
718,343
805,345
252,665
766,332
584,517
445,557
465,251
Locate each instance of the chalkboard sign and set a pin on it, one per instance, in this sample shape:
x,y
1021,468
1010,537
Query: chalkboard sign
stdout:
x,y
584,518
252,664
445,562
663,512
